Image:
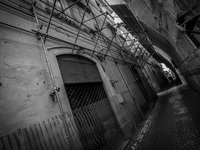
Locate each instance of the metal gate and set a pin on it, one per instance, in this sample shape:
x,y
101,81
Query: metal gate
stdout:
x,y
93,114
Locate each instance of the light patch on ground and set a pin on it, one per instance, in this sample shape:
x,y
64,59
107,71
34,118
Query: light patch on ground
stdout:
x,y
184,123
146,127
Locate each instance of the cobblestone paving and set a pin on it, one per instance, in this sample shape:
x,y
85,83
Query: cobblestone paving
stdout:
x,y
174,124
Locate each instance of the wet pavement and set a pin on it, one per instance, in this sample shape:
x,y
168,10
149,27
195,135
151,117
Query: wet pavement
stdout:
x,y
174,123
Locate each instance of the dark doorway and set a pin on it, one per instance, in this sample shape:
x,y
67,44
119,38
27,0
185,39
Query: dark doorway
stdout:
x,y
93,114
140,85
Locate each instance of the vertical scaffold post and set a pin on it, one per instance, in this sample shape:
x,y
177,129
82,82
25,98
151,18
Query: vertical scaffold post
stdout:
x,y
63,115
50,18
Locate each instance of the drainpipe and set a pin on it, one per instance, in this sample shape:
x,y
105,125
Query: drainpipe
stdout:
x,y
126,83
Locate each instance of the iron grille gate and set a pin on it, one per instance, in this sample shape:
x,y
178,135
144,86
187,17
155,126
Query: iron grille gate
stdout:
x,y
93,114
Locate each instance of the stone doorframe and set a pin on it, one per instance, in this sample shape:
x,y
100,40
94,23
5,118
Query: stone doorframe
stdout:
x,y
55,51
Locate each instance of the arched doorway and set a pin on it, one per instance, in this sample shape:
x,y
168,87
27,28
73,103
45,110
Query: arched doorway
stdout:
x,y
93,115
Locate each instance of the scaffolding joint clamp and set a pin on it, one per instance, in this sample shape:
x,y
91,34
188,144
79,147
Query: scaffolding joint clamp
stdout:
x,y
53,93
114,81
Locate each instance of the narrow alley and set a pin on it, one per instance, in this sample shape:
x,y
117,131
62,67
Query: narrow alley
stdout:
x,y
173,124
99,75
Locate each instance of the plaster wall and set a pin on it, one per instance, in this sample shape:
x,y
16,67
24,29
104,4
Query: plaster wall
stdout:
x,y
161,24
26,82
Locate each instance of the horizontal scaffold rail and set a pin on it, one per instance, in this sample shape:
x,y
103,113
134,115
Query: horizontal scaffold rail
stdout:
x,y
128,50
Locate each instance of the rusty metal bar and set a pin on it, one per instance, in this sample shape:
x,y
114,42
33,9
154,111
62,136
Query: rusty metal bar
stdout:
x,y
50,18
190,19
122,46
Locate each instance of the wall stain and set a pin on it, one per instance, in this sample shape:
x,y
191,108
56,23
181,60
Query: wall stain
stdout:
x,y
28,95
33,114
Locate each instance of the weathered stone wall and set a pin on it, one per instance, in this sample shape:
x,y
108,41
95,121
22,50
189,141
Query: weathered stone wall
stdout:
x,y
158,18
25,82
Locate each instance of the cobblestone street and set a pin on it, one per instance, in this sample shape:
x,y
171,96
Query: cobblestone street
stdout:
x,y
174,123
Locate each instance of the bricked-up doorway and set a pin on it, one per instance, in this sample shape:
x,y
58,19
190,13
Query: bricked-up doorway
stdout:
x,y
93,115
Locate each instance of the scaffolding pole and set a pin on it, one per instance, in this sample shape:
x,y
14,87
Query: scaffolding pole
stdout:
x,y
49,22
120,34
101,27
55,88
61,12
100,32
123,45
82,22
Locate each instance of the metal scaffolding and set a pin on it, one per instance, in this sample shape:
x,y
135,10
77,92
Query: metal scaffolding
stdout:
x,y
106,44
110,45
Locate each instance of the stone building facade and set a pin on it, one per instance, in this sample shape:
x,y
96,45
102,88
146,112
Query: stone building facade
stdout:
x,y
64,84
